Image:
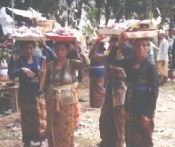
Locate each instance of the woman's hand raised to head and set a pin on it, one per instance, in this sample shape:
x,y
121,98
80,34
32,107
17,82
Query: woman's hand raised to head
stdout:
x,y
42,42
28,72
121,39
100,38
83,53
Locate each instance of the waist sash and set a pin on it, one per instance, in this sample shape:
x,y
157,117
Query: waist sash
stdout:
x,y
61,95
138,87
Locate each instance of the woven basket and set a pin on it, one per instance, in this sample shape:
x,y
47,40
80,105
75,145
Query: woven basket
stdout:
x,y
107,31
142,34
45,23
60,38
29,38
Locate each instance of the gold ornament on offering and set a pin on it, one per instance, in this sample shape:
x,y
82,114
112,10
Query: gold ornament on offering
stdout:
x,y
144,31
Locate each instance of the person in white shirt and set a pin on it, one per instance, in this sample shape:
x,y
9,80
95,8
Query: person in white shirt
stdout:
x,y
152,53
162,57
170,41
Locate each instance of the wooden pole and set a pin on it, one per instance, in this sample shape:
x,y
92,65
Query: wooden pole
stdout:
x,y
13,16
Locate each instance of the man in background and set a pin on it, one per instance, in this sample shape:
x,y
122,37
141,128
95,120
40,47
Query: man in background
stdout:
x,y
170,41
162,58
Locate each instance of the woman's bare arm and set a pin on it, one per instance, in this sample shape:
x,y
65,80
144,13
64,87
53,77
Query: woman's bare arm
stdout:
x,y
97,57
78,64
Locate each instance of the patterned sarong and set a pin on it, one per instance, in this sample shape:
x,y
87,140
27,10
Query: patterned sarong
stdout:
x,y
162,68
112,121
136,135
97,92
77,110
60,125
33,118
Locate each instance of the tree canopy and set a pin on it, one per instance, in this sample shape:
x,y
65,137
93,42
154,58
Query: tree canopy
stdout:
x,y
71,10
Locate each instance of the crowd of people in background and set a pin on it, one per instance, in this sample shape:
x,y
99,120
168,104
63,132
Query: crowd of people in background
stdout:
x,y
124,80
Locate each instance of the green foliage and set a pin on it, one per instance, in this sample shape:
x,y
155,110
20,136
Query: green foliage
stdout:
x,y
69,2
4,54
94,16
12,136
89,30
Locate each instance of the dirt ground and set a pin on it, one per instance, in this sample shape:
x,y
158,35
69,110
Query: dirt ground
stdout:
x,y
88,133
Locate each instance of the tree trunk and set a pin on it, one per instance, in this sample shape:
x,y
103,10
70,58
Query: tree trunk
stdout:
x,y
171,28
107,12
68,17
98,16
149,5
79,6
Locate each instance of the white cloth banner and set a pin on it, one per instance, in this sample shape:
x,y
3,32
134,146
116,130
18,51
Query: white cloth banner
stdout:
x,y
6,21
30,13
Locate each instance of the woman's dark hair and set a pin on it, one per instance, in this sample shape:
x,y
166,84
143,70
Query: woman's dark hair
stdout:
x,y
62,43
101,47
71,42
113,39
24,43
1,31
50,43
146,39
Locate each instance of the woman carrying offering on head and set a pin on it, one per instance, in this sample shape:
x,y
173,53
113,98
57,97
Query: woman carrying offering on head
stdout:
x,y
31,97
97,74
59,98
111,122
141,94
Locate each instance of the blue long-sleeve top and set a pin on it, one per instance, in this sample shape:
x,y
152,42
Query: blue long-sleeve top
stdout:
x,y
49,53
28,85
